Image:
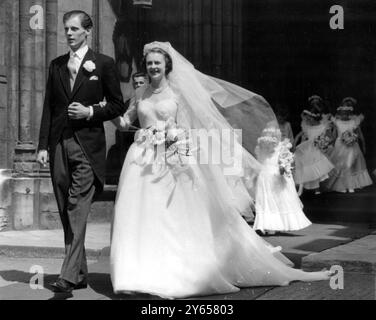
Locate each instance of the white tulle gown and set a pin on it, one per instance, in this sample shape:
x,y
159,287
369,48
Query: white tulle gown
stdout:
x,y
278,206
176,237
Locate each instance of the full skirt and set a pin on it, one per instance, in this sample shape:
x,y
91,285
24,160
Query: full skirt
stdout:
x,y
179,235
278,206
311,166
351,169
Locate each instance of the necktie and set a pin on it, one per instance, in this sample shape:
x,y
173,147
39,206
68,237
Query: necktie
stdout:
x,y
73,69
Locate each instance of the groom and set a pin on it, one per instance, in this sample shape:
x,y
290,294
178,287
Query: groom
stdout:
x,y
72,133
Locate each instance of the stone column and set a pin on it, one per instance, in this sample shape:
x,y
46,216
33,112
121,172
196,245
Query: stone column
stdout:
x,y
51,31
3,85
40,67
96,18
32,60
13,76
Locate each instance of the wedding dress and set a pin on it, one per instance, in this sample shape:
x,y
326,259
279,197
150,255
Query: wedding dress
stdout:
x,y
180,233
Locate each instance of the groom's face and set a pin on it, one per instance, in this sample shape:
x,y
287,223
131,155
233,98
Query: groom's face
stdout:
x,y
75,33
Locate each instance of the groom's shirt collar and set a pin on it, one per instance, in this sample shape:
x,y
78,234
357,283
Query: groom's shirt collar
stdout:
x,y
80,53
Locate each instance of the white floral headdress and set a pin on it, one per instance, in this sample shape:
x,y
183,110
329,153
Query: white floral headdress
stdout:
x,y
271,132
311,114
314,97
272,135
345,108
268,139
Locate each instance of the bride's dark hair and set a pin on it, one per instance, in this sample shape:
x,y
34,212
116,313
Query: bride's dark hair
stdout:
x,y
167,57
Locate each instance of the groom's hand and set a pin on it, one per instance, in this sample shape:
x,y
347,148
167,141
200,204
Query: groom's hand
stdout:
x,y
77,111
42,157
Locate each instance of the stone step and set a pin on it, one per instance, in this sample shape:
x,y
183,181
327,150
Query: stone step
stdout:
x,y
356,256
50,243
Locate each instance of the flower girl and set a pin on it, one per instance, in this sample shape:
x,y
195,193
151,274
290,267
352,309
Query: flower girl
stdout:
x,y
311,164
351,172
278,207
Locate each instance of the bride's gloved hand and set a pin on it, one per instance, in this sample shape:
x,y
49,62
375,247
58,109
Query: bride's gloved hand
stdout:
x,y
124,123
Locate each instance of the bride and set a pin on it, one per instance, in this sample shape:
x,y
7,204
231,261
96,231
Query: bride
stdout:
x,y
178,229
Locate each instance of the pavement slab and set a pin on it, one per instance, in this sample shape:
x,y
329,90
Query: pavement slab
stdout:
x,y
356,256
317,238
356,286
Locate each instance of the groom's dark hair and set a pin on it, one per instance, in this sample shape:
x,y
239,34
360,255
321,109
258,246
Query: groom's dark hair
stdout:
x,y
86,21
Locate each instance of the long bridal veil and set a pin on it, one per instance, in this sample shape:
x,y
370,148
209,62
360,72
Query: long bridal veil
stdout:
x,y
232,116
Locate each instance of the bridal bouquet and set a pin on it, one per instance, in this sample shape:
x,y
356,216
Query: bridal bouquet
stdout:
x,y
286,159
349,138
322,142
171,139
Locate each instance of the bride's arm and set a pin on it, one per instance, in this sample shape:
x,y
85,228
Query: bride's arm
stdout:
x,y
123,123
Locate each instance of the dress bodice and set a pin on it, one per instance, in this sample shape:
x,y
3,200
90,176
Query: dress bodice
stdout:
x,y
312,132
150,113
343,126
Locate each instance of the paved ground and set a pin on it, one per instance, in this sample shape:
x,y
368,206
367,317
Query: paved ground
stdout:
x,y
22,253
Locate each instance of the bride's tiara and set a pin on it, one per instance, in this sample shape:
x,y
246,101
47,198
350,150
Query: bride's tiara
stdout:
x,y
165,46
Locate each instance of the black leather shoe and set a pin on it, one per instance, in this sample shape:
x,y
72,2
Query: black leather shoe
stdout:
x,y
80,285
62,286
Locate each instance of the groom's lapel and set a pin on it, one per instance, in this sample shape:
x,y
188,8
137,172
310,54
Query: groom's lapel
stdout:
x,y
82,74
64,75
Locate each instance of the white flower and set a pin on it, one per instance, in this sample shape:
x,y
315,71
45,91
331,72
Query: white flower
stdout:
x,y
173,134
144,135
159,138
89,66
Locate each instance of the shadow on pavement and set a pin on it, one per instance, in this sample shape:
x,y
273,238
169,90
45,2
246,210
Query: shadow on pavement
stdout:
x,y
101,284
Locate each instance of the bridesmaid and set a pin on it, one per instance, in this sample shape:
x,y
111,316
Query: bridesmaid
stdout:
x,y
351,171
312,166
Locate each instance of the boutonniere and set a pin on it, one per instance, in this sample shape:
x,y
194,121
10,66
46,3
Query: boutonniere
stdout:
x,y
89,66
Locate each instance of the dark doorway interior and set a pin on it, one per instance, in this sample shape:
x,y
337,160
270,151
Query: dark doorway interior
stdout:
x,y
290,53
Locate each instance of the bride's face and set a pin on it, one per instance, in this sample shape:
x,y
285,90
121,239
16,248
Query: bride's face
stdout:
x,y
155,66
